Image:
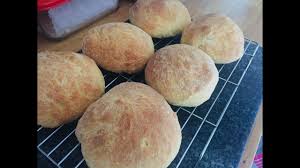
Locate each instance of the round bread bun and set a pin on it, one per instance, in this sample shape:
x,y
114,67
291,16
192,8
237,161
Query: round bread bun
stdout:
x,y
118,47
183,74
131,126
218,36
160,18
68,83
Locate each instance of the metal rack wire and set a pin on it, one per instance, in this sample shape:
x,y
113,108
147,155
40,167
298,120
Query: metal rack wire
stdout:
x,y
61,149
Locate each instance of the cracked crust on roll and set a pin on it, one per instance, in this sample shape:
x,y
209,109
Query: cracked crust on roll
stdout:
x,y
217,35
160,18
183,74
118,47
68,83
131,126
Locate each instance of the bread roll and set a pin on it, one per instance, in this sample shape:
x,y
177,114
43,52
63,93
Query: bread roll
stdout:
x,y
160,18
183,74
131,126
67,84
218,36
118,47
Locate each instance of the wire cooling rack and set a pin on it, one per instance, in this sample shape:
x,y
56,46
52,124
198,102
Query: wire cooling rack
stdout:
x,y
59,147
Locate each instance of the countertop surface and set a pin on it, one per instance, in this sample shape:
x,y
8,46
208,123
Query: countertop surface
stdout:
x,y
247,14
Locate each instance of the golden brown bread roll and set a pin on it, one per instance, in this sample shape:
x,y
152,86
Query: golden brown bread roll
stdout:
x,y
131,126
118,47
218,36
183,74
67,83
160,18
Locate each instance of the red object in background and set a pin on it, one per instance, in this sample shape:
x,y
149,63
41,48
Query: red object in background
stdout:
x,y
44,5
258,160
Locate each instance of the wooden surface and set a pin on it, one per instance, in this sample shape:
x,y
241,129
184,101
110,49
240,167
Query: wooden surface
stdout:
x,y
246,13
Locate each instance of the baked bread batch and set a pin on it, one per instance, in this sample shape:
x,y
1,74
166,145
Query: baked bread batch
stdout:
x,y
132,125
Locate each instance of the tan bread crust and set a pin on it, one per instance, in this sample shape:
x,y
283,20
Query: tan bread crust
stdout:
x,y
67,83
218,36
118,47
131,126
160,18
183,74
